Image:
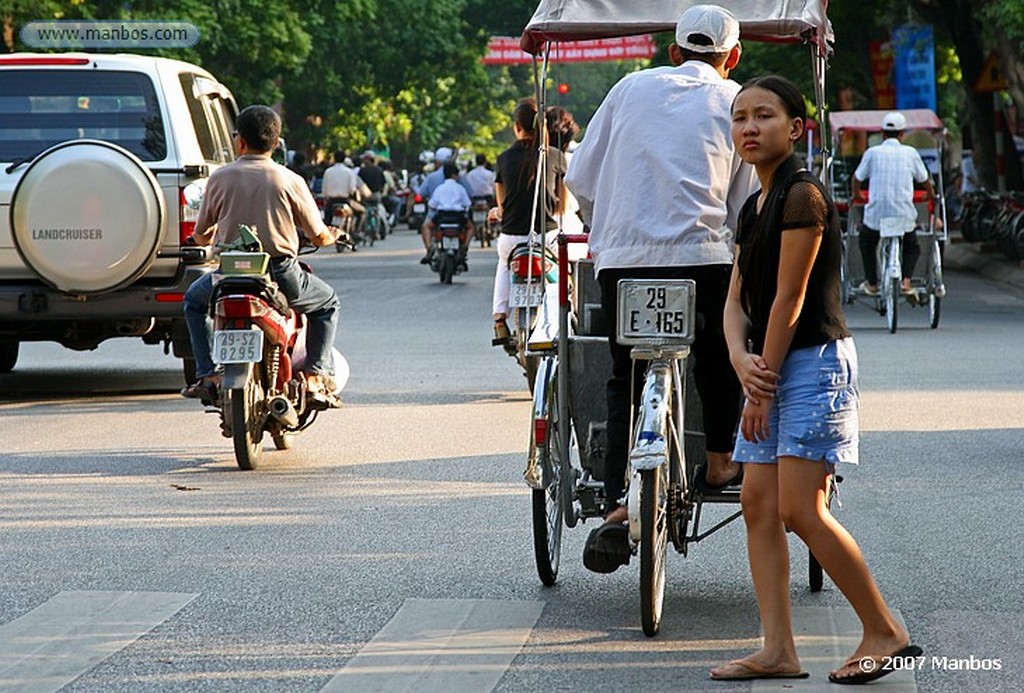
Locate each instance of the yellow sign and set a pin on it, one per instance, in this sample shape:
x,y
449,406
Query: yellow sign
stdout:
x,y
992,77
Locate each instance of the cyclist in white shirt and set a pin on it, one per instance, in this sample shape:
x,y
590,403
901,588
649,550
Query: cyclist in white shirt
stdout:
x,y
660,185
892,168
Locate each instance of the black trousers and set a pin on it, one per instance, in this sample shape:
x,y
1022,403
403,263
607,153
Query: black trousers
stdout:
x,y
868,242
717,385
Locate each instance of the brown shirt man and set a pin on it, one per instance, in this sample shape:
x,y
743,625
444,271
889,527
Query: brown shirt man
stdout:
x,y
259,192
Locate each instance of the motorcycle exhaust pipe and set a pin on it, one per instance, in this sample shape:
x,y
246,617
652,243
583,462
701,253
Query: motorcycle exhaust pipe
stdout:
x,y
282,410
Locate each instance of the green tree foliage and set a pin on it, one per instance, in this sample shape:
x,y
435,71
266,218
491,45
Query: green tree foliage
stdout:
x,y
406,75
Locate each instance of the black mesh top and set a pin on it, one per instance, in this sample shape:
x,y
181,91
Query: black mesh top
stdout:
x,y
797,201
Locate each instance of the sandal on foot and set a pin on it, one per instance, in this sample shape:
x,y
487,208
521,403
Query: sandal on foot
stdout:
x,y
700,480
607,548
204,389
501,333
746,670
871,668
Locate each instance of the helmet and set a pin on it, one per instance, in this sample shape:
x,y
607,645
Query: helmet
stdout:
x,y
894,121
442,154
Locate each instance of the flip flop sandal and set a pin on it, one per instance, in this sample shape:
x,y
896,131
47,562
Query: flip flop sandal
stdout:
x,y
700,480
746,670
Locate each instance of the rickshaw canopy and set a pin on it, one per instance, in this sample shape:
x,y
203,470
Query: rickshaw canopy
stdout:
x,y
760,20
871,121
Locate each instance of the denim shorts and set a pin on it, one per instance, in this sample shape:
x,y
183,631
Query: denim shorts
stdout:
x,y
814,413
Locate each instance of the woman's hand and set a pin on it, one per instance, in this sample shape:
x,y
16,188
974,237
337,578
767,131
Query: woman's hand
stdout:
x,y
494,215
754,420
759,383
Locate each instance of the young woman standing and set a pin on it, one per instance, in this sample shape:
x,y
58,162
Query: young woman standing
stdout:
x,y
800,383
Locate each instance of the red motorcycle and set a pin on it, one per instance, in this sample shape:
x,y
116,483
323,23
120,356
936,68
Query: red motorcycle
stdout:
x,y
259,342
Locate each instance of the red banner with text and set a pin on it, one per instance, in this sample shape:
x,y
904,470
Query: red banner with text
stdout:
x,y
881,74
505,50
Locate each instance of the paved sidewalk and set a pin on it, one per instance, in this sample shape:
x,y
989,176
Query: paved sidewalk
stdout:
x,y
986,260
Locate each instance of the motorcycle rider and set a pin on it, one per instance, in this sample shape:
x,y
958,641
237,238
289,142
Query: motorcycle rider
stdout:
x,y
442,156
341,185
481,181
451,198
256,191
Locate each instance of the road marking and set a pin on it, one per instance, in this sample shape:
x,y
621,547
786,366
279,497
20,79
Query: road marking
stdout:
x,y
61,639
441,645
825,636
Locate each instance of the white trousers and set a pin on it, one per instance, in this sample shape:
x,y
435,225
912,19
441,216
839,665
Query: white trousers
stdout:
x,y
506,243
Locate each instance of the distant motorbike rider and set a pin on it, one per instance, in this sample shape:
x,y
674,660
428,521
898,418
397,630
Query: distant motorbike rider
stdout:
x,y
341,185
254,190
450,197
442,156
480,180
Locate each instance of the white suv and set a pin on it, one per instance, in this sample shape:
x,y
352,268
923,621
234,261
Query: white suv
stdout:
x,y
103,161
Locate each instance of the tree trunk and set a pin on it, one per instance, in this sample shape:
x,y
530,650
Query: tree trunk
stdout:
x,y
957,18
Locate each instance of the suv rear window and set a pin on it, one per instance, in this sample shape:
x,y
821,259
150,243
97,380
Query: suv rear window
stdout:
x,y
40,108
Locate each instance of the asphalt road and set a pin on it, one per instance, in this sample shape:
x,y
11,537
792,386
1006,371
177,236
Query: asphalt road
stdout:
x,y
394,539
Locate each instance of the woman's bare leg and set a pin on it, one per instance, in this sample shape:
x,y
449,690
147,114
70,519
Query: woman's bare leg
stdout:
x,y
803,486
768,551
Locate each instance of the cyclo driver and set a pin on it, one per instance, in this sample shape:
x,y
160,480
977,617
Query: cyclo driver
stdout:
x,y
659,183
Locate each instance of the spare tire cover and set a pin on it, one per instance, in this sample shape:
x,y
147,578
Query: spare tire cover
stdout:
x,y
87,217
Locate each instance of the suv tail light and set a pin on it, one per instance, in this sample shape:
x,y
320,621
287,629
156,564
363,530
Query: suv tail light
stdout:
x,y
187,217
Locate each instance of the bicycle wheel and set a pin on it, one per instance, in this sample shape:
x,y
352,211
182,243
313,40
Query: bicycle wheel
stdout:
x,y
370,227
653,546
892,292
935,286
548,506
845,295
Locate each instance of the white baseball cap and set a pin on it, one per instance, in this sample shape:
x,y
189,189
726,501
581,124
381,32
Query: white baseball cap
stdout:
x,y
894,121
712,22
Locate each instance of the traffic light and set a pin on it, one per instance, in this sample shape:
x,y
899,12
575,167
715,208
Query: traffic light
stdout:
x,y
563,88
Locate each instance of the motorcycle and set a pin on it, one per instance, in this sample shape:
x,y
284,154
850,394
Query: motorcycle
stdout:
x,y
418,211
486,232
446,249
259,343
533,305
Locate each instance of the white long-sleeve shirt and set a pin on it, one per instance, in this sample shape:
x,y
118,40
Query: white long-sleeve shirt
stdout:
x,y
657,177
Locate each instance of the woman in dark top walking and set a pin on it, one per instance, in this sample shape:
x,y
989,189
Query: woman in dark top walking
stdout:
x,y
514,184
800,383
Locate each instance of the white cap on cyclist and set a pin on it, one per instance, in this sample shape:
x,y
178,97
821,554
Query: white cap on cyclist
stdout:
x,y
707,29
894,122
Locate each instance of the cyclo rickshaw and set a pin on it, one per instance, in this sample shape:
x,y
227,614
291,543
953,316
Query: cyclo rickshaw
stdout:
x,y
851,131
565,464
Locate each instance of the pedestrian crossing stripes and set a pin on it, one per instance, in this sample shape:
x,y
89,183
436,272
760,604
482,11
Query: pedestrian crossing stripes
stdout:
x,y
428,646
72,632
439,646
